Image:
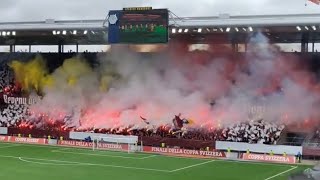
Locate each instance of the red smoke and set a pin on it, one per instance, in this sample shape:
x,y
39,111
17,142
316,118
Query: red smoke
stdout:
x,y
189,81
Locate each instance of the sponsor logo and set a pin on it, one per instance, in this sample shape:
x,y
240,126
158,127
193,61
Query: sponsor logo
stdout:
x,y
83,144
269,158
113,19
212,153
184,151
3,138
26,140
23,140
70,143
110,146
90,145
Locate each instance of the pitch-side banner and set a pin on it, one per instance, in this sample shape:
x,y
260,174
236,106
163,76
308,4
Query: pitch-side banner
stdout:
x,y
3,138
23,140
106,137
269,158
105,146
258,148
188,152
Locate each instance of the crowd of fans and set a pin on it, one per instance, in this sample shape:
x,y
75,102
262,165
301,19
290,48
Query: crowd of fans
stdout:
x,y
252,132
162,132
316,137
14,115
167,132
17,115
261,131
11,115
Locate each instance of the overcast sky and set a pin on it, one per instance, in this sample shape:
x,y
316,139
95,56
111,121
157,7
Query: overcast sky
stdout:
x,y
26,10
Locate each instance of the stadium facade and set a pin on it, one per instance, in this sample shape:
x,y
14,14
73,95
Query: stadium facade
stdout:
x,y
224,29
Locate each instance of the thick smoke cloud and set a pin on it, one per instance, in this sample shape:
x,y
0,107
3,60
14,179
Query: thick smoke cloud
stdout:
x,y
219,91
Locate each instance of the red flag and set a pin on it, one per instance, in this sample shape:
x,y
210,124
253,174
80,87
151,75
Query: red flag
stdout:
x,y
315,1
177,121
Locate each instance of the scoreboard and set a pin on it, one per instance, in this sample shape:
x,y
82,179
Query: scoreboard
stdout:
x,y
141,25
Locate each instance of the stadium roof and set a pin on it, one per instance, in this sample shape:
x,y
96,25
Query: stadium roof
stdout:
x,y
220,29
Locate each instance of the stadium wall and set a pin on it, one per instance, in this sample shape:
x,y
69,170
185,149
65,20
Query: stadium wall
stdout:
x,y
311,151
108,137
258,148
156,150
185,152
37,133
26,140
173,142
147,141
103,146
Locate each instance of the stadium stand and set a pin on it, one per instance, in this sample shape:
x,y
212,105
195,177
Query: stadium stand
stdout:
x,y
253,132
315,139
295,138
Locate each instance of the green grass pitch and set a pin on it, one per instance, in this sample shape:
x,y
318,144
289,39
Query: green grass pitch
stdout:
x,y
35,162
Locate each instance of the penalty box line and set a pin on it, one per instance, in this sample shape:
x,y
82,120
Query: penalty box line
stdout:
x,y
59,162
34,160
49,163
283,172
191,166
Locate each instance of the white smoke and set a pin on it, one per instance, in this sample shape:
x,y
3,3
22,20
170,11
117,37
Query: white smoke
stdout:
x,y
157,88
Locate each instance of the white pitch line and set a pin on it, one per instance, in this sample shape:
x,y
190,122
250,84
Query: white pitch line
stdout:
x,y
9,146
88,164
147,157
293,167
187,167
48,163
34,145
91,154
253,162
61,148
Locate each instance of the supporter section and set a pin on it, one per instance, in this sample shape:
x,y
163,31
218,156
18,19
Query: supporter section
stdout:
x,y
14,117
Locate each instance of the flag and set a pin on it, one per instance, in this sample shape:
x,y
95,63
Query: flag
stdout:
x,y
178,122
145,120
315,1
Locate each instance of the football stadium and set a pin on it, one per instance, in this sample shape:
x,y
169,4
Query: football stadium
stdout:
x,y
146,94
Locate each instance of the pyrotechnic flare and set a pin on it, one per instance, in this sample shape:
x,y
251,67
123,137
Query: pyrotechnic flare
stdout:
x,y
125,86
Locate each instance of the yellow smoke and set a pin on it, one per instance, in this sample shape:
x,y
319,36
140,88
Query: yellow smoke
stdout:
x,y
105,81
72,69
107,75
32,74
72,81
